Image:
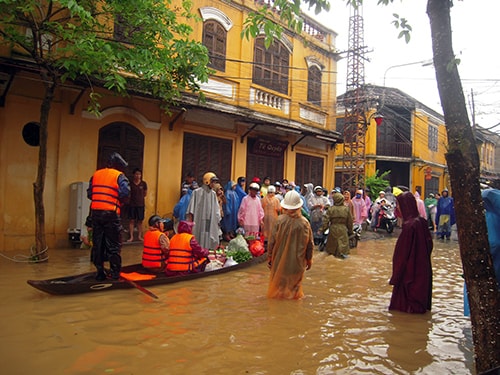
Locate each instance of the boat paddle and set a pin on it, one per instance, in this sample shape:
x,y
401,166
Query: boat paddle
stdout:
x,y
141,288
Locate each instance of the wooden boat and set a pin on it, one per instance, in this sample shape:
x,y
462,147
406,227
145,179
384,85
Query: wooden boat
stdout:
x,y
86,282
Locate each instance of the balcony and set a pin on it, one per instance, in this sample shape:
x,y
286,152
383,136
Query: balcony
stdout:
x,y
270,100
397,149
310,26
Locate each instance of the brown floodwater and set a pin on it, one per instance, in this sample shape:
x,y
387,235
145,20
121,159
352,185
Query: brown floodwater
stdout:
x,y
225,325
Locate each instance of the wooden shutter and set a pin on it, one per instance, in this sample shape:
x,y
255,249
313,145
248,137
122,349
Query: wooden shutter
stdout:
x,y
309,169
125,139
203,154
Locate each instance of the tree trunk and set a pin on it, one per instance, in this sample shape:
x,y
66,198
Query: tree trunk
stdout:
x,y
464,168
40,252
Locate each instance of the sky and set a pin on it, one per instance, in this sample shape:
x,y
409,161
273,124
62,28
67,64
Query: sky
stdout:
x,y
474,42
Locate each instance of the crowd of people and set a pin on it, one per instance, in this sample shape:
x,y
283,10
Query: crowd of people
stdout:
x,y
291,218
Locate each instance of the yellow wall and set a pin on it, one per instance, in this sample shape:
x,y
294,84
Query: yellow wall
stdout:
x,y
73,138
422,156
427,158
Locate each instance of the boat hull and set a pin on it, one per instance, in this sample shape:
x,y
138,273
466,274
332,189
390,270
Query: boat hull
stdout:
x,y
86,282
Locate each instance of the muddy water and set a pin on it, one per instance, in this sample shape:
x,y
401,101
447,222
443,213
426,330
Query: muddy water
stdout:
x,y
225,325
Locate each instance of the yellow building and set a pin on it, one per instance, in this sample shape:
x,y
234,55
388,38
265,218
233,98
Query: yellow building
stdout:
x,y
410,142
487,143
269,112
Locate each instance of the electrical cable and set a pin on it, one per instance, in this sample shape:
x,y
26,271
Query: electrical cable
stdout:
x,y
28,259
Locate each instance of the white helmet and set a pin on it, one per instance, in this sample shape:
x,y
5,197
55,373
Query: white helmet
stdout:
x,y
292,200
254,186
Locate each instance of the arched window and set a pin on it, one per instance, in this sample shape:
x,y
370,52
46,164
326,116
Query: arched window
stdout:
x,y
125,139
314,85
271,65
215,38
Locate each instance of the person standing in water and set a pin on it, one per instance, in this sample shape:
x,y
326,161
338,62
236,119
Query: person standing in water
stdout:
x,y
290,250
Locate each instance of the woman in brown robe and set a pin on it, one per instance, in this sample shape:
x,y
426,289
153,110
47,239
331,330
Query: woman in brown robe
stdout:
x,y
290,250
411,262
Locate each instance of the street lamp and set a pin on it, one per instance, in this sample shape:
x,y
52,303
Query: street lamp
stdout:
x,y
377,117
422,63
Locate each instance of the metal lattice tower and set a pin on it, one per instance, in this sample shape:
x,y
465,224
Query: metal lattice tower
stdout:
x,y
353,161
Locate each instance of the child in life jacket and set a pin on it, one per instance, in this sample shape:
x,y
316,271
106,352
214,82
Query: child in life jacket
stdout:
x,y
185,255
156,244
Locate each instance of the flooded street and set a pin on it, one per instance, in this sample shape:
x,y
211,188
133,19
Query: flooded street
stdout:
x,y
225,325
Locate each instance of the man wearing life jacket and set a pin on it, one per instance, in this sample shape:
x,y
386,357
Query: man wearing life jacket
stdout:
x,y
156,244
185,255
108,188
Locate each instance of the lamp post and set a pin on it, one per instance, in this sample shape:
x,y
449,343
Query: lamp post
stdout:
x,y
427,62
377,117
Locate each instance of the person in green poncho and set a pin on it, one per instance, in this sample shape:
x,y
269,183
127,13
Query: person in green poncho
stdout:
x,y
338,219
430,206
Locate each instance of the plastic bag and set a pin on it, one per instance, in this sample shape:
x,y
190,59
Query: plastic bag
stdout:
x,y
257,248
230,262
238,243
214,265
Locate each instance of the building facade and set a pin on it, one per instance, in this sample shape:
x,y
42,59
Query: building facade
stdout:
x,y
268,112
410,141
488,143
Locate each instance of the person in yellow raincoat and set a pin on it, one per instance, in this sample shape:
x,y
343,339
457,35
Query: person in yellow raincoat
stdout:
x,y
290,250
272,209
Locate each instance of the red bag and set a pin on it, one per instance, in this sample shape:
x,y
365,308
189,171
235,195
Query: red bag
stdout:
x,y
257,247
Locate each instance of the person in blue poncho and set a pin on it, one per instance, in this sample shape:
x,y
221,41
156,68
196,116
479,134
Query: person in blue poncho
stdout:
x,y
230,219
445,215
491,199
180,208
240,188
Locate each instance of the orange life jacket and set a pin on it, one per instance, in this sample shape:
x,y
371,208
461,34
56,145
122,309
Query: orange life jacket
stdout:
x,y
105,190
152,255
180,256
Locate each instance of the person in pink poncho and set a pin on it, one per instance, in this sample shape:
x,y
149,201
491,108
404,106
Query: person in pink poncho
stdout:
x,y
420,205
359,205
251,213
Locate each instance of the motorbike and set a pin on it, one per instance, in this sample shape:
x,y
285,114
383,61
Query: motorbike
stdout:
x,y
386,218
353,238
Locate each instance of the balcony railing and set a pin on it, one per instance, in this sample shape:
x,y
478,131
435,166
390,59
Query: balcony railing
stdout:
x,y
269,100
399,149
310,26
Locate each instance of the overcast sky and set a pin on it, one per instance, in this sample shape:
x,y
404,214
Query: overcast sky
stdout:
x,y
474,41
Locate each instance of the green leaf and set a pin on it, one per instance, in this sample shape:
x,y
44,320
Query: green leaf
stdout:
x,y
155,53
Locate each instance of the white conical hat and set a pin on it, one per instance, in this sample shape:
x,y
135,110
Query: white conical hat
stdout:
x,y
291,201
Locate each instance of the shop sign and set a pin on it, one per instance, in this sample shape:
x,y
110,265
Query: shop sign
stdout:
x,y
269,147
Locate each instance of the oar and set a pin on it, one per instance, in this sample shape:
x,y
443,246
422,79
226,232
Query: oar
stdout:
x,y
141,288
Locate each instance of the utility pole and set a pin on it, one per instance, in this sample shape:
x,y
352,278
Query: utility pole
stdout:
x,y
473,110
354,159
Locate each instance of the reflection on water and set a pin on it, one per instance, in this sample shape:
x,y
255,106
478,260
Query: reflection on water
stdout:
x,y
225,325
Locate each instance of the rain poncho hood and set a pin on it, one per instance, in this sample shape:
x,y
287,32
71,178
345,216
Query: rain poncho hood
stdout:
x,y
185,227
338,199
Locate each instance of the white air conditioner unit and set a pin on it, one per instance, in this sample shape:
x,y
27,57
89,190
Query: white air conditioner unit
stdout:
x,y
78,210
